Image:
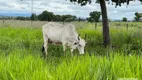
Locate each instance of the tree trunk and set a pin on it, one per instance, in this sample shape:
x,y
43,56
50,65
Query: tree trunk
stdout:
x,y
106,37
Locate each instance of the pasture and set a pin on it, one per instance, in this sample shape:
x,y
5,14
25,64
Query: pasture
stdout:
x,y
21,57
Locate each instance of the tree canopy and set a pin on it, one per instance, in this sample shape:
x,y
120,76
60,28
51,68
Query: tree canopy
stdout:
x,y
33,17
124,19
94,16
117,2
137,16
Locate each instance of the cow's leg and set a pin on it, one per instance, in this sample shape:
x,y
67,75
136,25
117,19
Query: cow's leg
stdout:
x,y
64,48
72,51
45,46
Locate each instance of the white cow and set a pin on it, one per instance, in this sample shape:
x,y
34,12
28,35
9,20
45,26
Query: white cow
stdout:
x,y
62,33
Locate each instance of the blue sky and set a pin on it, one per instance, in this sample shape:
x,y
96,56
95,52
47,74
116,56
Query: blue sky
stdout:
x,y
23,8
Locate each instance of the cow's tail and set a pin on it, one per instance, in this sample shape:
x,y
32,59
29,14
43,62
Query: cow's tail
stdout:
x,y
43,52
43,49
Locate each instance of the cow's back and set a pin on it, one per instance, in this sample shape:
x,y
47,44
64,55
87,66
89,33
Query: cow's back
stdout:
x,y
70,32
53,31
59,32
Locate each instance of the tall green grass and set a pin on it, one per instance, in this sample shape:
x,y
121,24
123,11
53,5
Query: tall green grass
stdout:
x,y
24,65
21,57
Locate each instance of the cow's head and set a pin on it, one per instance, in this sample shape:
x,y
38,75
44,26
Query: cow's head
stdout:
x,y
80,44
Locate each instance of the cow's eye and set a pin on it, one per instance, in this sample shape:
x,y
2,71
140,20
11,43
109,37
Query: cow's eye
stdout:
x,y
75,43
79,45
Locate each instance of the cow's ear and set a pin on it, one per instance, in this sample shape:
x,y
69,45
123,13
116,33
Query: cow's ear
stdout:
x,y
78,36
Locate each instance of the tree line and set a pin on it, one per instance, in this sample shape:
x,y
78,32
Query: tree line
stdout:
x,y
94,16
137,18
50,16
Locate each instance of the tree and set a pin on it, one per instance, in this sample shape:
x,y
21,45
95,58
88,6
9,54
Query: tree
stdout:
x,y
57,18
46,16
40,17
33,17
94,17
137,16
106,37
124,19
68,18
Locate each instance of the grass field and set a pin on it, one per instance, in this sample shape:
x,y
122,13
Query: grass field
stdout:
x,y
21,57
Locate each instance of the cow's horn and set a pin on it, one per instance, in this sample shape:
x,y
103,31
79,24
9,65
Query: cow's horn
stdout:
x,y
78,36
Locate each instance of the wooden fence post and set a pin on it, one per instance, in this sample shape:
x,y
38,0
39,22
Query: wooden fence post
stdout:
x,y
127,26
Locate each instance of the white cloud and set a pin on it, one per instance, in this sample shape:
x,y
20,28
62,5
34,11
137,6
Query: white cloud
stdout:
x,y
65,7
